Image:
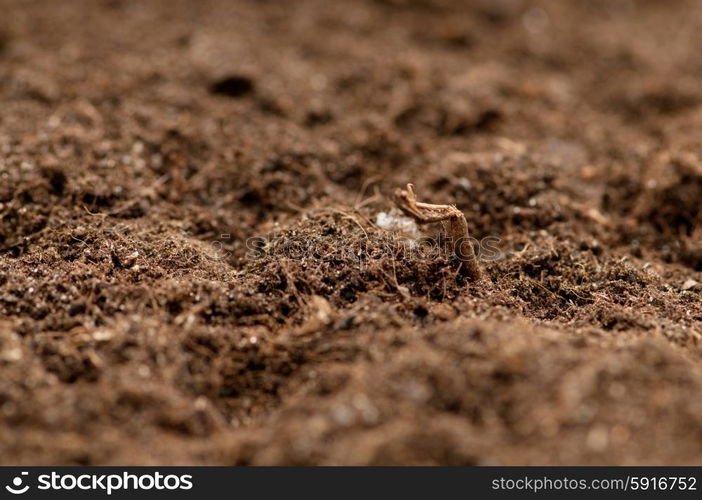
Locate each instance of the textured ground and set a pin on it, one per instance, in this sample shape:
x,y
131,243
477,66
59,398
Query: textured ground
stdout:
x,y
142,144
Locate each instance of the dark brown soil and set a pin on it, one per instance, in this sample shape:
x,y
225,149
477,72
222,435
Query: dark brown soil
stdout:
x,y
143,143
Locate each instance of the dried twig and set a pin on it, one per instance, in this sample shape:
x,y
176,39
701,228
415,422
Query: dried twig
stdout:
x,y
452,220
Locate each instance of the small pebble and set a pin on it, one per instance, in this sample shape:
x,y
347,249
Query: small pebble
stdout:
x,y
689,285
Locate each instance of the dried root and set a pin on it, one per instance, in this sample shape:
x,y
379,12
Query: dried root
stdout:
x,y
453,222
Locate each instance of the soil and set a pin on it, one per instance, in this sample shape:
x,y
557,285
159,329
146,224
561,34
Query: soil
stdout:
x,y
190,266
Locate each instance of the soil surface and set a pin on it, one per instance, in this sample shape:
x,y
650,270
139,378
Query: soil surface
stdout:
x,y
192,269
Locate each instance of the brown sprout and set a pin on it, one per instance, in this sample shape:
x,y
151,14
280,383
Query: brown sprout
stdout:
x,y
452,220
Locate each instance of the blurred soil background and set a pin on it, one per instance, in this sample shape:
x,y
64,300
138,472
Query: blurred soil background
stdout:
x,y
143,143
